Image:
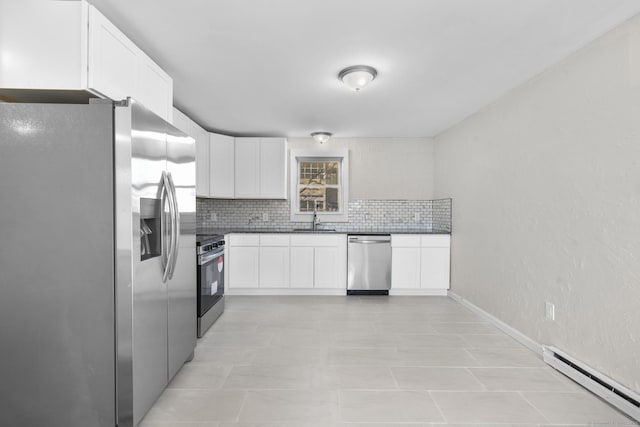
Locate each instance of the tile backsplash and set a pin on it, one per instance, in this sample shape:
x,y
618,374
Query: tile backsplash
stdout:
x,y
398,215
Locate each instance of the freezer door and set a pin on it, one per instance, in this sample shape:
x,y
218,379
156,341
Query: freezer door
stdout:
x,y
182,286
56,263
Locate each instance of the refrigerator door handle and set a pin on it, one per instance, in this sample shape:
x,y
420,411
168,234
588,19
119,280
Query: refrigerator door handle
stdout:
x,y
175,226
167,247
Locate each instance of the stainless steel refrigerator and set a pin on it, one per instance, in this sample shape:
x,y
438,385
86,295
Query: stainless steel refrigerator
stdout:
x,y
97,262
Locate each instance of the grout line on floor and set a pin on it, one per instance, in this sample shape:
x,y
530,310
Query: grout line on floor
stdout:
x,y
534,407
438,407
244,401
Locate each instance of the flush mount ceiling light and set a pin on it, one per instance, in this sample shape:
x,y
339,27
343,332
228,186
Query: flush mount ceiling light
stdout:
x,y
321,137
358,76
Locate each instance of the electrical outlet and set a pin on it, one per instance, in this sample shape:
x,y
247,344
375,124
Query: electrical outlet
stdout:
x,y
549,311
265,216
213,216
416,216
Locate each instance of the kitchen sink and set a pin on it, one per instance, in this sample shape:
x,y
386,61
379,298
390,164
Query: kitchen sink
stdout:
x,y
317,230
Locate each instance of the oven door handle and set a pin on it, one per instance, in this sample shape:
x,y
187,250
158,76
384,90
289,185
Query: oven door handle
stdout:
x,y
206,258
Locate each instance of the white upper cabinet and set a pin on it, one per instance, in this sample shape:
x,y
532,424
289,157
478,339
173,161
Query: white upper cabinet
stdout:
x,y
182,121
69,45
43,47
203,168
273,168
222,167
113,59
191,128
247,172
155,87
260,168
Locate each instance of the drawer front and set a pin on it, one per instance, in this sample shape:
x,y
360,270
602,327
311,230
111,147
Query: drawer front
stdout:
x,y
274,240
405,240
241,239
436,241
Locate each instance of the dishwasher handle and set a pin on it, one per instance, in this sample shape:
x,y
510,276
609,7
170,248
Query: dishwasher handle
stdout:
x,y
369,241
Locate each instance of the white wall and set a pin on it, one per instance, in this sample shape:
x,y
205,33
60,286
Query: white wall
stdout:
x,y
546,205
384,168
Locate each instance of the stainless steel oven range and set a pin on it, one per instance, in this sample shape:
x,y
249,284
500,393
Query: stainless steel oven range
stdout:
x,y
210,285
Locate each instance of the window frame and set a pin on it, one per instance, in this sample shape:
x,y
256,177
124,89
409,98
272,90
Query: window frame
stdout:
x,y
340,155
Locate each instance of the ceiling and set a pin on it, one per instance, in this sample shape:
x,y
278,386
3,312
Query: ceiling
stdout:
x,y
269,68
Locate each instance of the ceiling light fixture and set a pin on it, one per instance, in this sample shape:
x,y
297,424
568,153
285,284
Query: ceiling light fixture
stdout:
x,y
357,76
321,137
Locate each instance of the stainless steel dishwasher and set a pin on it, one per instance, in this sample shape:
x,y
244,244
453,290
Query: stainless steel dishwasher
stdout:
x,y
369,264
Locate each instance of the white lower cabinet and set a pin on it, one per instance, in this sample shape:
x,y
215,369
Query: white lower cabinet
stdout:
x,y
302,262
434,268
319,262
244,267
274,267
274,261
287,264
243,257
420,264
405,268
325,273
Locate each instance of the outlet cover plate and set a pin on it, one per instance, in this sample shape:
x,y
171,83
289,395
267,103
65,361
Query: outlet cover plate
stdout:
x,y
549,311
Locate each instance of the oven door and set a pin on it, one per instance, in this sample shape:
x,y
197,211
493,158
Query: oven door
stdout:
x,y
210,279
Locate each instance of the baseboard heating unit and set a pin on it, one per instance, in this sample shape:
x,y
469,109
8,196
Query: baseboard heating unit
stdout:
x,y
616,394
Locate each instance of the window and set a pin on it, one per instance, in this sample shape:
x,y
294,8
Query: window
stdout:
x,y
319,179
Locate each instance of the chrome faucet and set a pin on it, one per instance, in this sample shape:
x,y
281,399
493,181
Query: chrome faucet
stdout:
x,y
316,220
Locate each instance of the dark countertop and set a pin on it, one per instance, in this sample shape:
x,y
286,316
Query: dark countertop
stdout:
x,y
337,230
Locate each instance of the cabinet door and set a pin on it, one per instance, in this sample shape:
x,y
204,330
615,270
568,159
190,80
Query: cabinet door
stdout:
x,y
203,164
181,121
274,267
191,128
272,168
325,268
43,45
113,59
302,267
222,171
244,266
405,268
247,167
154,88
434,268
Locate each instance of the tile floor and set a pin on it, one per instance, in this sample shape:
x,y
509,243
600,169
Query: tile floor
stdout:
x,y
367,362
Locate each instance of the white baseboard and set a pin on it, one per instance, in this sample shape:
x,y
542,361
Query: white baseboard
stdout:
x,y
315,291
285,291
512,332
419,292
